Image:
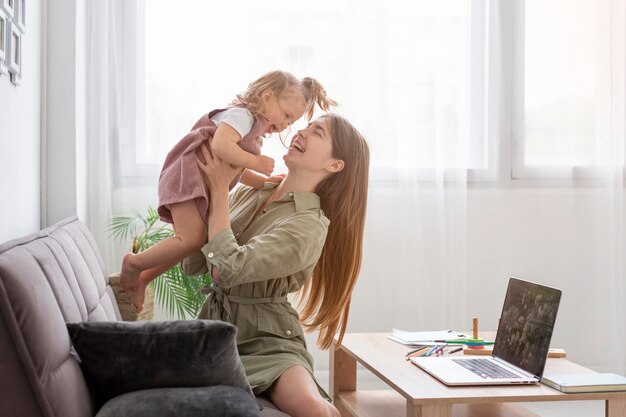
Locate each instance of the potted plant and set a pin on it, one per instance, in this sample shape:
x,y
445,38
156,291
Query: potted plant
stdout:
x,y
177,292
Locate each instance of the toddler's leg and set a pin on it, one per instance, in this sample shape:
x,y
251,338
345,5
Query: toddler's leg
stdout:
x,y
144,279
190,234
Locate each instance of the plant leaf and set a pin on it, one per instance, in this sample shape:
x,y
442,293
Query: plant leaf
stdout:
x,y
180,294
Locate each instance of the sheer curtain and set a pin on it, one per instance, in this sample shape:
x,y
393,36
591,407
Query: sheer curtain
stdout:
x,y
422,81
103,69
454,106
402,74
608,289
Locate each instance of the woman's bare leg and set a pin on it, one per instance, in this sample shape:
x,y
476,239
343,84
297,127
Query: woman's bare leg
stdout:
x,y
296,393
190,234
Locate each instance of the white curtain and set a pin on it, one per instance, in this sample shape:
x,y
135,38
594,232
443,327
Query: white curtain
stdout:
x,y
422,81
403,73
607,289
426,207
103,116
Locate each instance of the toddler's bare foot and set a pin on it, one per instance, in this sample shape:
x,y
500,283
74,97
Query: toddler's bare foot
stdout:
x,y
139,296
129,276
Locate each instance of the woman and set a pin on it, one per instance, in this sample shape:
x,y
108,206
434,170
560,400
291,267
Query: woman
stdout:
x,y
304,234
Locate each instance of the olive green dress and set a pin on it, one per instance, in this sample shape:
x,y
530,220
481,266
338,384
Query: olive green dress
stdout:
x,y
260,260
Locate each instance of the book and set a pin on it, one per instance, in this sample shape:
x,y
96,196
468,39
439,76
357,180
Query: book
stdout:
x,y
591,382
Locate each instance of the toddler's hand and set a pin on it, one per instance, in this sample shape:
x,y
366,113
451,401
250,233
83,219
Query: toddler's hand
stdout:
x,y
264,165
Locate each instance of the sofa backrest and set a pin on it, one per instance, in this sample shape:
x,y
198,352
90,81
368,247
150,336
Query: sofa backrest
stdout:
x,y
47,279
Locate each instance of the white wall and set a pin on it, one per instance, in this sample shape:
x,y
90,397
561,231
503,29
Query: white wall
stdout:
x,y
20,111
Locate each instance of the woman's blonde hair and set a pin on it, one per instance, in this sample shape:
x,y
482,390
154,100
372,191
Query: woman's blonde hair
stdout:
x,y
343,196
277,82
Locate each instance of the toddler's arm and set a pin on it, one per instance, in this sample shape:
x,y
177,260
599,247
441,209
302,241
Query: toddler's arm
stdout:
x,y
225,147
252,179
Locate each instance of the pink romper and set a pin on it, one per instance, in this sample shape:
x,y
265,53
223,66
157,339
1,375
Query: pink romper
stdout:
x,y
181,179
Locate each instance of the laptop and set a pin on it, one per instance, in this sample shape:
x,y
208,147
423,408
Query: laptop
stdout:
x,y
521,346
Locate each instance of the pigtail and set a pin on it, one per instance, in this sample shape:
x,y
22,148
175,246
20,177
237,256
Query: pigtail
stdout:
x,y
315,93
249,102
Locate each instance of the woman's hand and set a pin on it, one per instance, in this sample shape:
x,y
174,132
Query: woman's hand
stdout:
x,y
217,173
276,178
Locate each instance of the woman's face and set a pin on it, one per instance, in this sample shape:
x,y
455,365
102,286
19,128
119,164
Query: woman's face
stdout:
x,y
311,148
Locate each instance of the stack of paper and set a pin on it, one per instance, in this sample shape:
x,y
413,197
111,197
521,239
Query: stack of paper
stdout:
x,y
421,338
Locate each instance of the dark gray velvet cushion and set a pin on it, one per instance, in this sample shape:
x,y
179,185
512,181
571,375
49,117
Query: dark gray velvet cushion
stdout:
x,y
120,357
215,401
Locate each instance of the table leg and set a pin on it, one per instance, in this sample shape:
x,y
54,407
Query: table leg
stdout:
x,y
615,408
342,372
428,410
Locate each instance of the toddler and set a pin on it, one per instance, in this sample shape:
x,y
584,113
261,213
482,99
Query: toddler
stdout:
x,y
270,104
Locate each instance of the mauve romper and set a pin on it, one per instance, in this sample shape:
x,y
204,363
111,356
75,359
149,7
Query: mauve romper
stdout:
x,y
181,179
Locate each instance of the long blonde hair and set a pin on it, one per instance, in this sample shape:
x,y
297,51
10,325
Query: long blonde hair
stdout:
x,y
343,195
277,82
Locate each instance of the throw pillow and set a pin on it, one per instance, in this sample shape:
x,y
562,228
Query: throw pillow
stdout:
x,y
120,357
215,401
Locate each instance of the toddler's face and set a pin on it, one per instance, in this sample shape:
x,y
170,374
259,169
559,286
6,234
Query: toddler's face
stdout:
x,y
283,110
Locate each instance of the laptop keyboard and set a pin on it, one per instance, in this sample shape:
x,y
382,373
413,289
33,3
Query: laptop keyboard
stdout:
x,y
485,368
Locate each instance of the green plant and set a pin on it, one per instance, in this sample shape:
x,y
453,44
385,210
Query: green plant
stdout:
x,y
174,290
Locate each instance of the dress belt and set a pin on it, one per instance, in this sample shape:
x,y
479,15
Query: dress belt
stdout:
x,y
220,301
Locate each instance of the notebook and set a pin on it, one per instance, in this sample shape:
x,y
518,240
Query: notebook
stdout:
x,y
521,345
590,382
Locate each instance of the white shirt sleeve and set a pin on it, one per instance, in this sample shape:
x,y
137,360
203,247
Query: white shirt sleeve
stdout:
x,y
238,118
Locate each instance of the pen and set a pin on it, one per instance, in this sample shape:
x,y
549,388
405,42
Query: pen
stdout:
x,y
460,342
455,350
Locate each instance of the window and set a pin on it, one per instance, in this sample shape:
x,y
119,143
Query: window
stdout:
x,y
556,118
427,83
401,72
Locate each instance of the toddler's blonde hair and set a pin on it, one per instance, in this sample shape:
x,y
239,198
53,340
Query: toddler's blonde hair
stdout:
x,y
278,82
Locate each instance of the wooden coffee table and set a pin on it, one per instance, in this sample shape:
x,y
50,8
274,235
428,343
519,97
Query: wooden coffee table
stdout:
x,y
415,393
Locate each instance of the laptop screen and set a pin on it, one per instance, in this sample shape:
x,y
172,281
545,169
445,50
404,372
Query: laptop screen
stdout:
x,y
526,325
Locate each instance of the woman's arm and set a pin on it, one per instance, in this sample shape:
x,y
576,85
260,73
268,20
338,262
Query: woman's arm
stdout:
x,y
293,245
218,176
253,179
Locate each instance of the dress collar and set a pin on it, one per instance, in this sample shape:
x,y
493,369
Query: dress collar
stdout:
x,y
303,200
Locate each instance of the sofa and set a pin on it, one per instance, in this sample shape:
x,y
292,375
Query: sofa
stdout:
x,y
54,277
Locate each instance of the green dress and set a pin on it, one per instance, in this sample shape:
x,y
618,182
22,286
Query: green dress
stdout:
x,y
260,260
